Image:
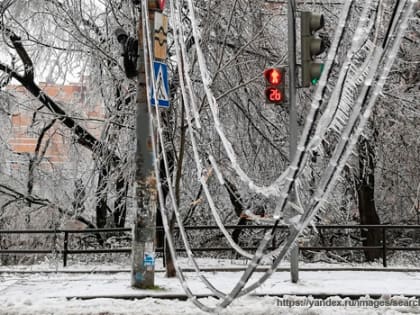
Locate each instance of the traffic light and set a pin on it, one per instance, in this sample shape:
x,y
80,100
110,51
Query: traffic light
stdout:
x,y
311,46
274,85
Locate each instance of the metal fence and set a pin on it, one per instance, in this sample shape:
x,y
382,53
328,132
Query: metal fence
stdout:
x,y
66,251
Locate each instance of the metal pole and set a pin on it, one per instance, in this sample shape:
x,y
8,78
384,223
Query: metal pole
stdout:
x,y
384,262
293,130
65,248
143,247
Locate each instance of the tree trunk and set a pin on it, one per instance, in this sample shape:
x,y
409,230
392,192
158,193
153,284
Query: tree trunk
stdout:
x,y
366,199
123,103
160,234
170,267
101,195
238,207
120,204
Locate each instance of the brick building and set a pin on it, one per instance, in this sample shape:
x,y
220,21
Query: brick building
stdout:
x,y
28,120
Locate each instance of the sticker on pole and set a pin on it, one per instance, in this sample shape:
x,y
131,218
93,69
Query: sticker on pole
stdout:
x,y
149,261
160,42
160,75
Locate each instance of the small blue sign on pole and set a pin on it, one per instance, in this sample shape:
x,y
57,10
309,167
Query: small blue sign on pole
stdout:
x,y
160,76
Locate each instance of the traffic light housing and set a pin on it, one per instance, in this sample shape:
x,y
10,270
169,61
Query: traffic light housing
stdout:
x,y
311,46
274,85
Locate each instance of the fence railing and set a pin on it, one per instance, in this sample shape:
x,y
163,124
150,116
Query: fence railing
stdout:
x,y
66,251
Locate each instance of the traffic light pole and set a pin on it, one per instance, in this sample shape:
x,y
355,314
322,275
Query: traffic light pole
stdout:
x,y
143,246
293,128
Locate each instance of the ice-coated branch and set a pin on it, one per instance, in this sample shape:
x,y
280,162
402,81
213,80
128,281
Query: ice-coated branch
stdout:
x,y
84,137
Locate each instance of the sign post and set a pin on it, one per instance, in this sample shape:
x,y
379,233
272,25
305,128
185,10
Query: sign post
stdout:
x,y
293,127
144,230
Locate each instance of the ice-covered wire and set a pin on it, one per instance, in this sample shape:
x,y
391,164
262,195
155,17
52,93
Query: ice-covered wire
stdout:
x,y
207,81
340,101
274,188
333,173
259,253
342,153
165,222
306,218
200,169
176,212
213,105
149,75
228,148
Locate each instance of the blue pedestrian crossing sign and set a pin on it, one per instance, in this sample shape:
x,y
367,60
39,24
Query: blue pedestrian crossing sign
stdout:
x,y
160,76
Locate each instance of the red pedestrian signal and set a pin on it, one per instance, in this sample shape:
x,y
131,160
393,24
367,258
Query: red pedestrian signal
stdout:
x,y
274,82
273,76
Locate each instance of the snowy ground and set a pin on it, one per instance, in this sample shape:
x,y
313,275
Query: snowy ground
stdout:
x,y
49,293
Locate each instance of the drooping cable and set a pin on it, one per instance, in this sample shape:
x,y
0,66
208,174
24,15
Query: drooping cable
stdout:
x,y
149,75
338,160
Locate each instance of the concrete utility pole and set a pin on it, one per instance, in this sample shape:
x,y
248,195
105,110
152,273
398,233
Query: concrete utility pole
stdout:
x,y
293,130
144,230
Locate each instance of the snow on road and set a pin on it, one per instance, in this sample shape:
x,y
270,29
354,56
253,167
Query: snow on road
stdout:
x,y
48,293
150,306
